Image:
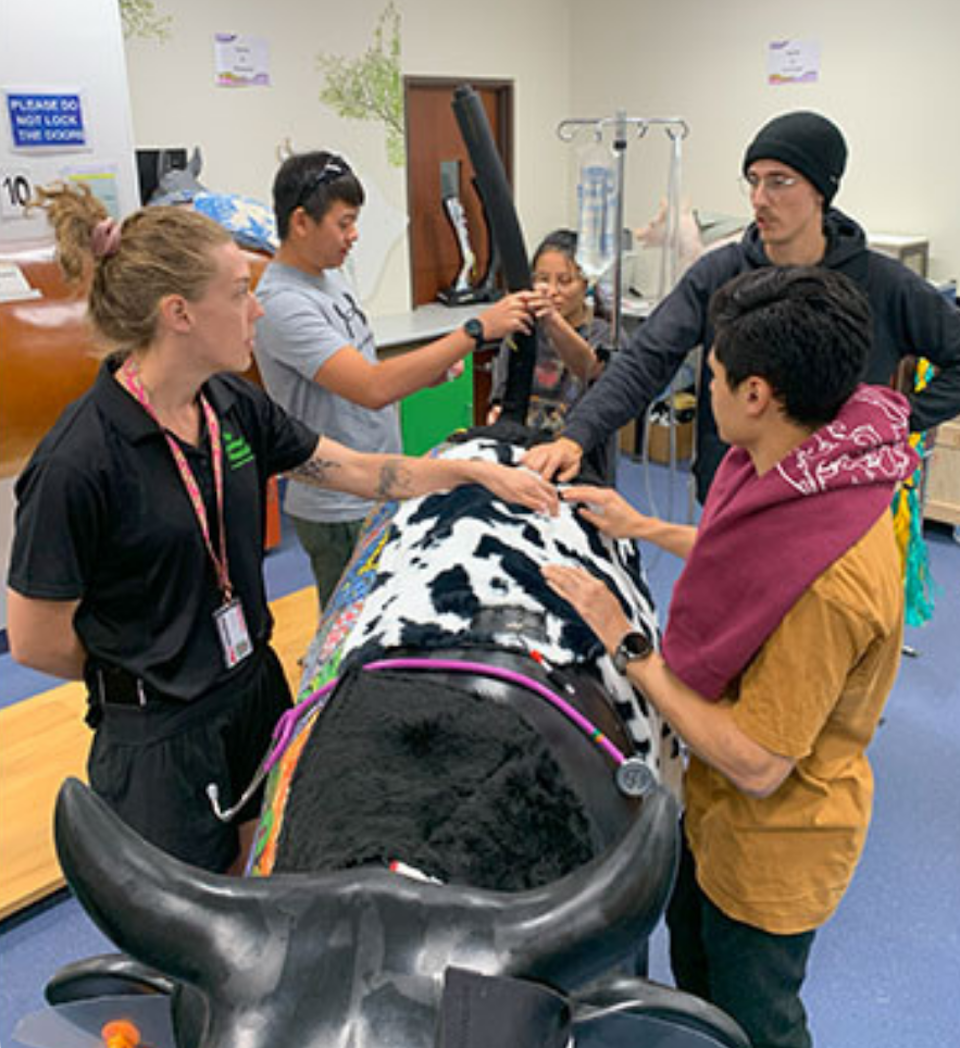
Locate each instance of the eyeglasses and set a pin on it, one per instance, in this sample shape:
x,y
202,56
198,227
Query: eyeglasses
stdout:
x,y
774,184
334,168
564,280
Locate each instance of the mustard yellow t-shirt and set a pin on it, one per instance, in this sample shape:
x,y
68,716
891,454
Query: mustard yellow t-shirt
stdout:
x,y
814,692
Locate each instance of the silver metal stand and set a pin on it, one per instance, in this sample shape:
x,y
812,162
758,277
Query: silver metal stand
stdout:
x,y
677,129
622,125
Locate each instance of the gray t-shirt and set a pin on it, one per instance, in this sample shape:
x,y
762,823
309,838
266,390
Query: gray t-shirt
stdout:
x,y
308,319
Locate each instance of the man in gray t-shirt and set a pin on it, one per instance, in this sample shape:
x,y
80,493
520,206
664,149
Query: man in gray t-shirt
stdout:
x,y
316,353
307,320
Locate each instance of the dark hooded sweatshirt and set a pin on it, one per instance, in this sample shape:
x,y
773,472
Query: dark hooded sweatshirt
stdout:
x,y
910,318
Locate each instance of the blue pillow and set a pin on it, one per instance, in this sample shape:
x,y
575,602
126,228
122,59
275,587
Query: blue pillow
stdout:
x,y
250,221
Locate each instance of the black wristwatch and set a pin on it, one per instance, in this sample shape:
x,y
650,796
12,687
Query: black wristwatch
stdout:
x,y
634,646
474,328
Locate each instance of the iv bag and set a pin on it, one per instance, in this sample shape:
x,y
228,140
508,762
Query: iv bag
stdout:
x,y
670,256
596,196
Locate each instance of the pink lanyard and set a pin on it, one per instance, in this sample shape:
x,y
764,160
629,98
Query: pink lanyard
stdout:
x,y
131,382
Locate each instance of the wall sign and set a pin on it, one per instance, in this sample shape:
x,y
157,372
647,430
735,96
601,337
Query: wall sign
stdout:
x,y
16,191
241,61
793,62
101,180
46,120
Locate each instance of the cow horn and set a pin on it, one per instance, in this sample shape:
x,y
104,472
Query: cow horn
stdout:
x,y
201,928
149,903
616,899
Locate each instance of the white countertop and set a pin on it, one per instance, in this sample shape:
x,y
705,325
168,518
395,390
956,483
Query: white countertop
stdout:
x,y
423,324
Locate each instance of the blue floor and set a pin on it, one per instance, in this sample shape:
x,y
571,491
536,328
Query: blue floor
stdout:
x,y
885,971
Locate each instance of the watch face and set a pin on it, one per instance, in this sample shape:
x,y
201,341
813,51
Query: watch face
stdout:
x,y
637,644
474,329
633,646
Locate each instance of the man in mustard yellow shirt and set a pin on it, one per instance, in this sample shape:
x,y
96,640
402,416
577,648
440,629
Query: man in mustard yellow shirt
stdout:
x,y
783,638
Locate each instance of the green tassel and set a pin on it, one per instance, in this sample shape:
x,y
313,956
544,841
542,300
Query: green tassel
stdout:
x,y
920,588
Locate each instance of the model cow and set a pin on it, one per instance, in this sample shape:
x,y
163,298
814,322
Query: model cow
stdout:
x,y
475,801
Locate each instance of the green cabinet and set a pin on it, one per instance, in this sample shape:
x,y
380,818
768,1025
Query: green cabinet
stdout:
x,y
431,415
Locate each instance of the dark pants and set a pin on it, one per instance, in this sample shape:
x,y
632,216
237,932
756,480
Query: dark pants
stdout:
x,y
753,975
152,764
329,547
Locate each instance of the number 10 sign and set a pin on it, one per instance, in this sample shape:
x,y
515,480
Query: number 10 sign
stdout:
x,y
16,191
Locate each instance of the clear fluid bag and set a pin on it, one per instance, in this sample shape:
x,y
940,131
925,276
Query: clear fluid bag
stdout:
x,y
596,196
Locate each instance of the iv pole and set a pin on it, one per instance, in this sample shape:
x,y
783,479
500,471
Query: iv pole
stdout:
x,y
677,130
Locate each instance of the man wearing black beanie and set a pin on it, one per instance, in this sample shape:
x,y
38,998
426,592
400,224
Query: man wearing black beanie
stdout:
x,y
792,171
807,142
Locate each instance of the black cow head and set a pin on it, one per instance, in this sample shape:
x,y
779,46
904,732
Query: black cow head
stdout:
x,y
354,958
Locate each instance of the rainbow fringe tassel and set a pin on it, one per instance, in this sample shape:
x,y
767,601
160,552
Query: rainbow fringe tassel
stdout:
x,y
920,589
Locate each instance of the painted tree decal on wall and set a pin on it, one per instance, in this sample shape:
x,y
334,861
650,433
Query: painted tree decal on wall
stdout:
x,y
369,87
140,19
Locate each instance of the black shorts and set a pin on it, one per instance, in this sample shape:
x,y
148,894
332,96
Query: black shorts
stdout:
x,y
152,764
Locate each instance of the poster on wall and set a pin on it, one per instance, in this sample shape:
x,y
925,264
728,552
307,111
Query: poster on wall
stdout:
x,y
101,180
793,62
241,61
46,120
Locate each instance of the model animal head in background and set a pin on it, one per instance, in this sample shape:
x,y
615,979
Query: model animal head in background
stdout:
x,y
251,222
178,185
696,234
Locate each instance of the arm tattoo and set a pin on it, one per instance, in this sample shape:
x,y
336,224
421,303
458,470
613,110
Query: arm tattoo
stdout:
x,y
315,471
394,480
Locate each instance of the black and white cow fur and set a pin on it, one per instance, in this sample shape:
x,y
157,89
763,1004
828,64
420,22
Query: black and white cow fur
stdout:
x,y
459,566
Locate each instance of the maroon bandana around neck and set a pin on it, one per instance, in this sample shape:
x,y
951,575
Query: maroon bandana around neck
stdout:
x,y
763,540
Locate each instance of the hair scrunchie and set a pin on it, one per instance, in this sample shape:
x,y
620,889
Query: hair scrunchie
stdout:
x,y
105,238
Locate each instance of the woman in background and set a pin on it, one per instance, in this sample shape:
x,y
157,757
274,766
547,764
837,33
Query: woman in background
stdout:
x,y
570,339
568,336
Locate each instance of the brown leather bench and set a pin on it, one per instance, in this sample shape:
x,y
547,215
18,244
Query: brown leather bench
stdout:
x,y
48,355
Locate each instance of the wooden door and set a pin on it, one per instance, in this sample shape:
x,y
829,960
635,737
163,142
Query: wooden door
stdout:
x,y
433,136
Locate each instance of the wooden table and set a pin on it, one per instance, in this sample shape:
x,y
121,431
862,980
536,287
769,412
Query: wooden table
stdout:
x,y
44,739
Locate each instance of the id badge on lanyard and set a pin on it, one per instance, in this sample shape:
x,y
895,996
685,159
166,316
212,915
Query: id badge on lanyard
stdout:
x,y
231,624
232,630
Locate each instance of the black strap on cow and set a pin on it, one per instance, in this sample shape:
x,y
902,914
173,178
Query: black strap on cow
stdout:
x,y
477,1011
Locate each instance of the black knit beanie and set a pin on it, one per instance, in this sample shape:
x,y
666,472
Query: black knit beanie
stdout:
x,y
807,142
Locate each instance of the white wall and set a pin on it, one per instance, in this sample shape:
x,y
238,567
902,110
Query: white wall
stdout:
x,y
66,45
889,77
175,101
72,45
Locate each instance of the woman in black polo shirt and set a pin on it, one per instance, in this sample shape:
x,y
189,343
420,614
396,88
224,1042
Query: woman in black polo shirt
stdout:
x,y
137,559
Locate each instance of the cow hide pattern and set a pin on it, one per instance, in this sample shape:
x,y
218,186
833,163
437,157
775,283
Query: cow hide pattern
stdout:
x,y
462,569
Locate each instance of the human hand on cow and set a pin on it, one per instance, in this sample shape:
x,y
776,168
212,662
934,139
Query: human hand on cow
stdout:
x,y
560,458
510,314
592,601
611,514
608,511
523,486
